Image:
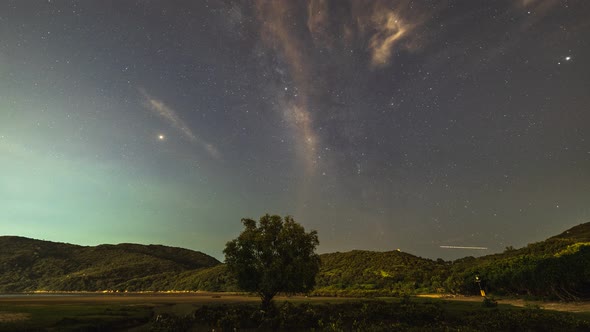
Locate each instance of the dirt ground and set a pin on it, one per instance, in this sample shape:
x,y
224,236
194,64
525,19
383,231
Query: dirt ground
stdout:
x,y
199,298
11,317
149,298
558,306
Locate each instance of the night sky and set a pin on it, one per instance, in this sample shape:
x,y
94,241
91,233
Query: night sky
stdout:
x,y
381,124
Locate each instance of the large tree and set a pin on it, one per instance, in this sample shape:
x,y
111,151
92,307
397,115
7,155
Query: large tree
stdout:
x,y
275,255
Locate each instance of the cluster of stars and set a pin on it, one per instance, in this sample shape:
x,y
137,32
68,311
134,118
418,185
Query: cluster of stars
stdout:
x,y
384,119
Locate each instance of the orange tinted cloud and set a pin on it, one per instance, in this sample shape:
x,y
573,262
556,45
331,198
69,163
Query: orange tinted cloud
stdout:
x,y
380,26
388,26
389,31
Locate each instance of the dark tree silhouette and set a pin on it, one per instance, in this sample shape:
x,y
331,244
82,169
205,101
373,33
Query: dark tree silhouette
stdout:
x,y
275,255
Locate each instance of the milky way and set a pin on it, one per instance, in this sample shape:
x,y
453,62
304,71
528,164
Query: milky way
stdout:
x,y
381,124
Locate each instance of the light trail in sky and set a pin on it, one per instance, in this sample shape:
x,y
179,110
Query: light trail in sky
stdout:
x,y
460,247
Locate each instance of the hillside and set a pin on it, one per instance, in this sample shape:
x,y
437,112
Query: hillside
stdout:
x,y
368,272
579,233
557,268
27,264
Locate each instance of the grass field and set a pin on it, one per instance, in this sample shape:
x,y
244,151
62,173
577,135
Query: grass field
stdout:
x,y
79,311
71,317
225,311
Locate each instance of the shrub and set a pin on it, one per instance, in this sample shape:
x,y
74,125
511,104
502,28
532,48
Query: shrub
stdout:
x,y
489,302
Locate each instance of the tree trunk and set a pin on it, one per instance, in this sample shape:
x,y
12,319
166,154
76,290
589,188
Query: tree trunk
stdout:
x,y
266,300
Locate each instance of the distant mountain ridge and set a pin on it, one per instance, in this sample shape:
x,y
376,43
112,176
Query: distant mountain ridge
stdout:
x,y
558,267
30,265
580,232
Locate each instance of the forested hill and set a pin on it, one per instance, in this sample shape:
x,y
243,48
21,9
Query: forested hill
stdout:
x,y
558,268
580,233
27,264
366,272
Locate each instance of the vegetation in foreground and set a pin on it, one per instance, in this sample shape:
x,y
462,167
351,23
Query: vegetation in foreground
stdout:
x,y
66,317
405,314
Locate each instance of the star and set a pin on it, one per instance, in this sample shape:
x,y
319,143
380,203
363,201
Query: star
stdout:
x,y
380,114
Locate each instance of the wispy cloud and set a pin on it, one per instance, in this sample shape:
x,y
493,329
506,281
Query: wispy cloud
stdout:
x,y
168,114
390,29
381,26
388,26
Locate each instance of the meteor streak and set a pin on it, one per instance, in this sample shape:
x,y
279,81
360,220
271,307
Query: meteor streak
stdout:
x,y
459,247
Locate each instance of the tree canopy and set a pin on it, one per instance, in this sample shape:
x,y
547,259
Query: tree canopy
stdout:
x,y
274,255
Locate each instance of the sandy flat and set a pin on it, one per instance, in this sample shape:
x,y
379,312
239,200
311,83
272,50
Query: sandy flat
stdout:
x,y
147,298
558,306
10,317
200,298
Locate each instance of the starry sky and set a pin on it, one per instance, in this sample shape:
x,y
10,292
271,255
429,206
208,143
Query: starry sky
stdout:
x,y
381,124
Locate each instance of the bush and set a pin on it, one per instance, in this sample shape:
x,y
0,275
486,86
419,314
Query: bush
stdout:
x,y
369,316
489,302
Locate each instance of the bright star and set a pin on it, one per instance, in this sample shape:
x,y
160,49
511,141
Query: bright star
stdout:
x,y
161,137
568,58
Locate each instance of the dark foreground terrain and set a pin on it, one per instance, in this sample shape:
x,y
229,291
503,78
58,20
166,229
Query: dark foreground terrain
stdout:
x,y
230,312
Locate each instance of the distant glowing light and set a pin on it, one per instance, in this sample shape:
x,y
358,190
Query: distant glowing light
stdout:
x,y
568,58
161,137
